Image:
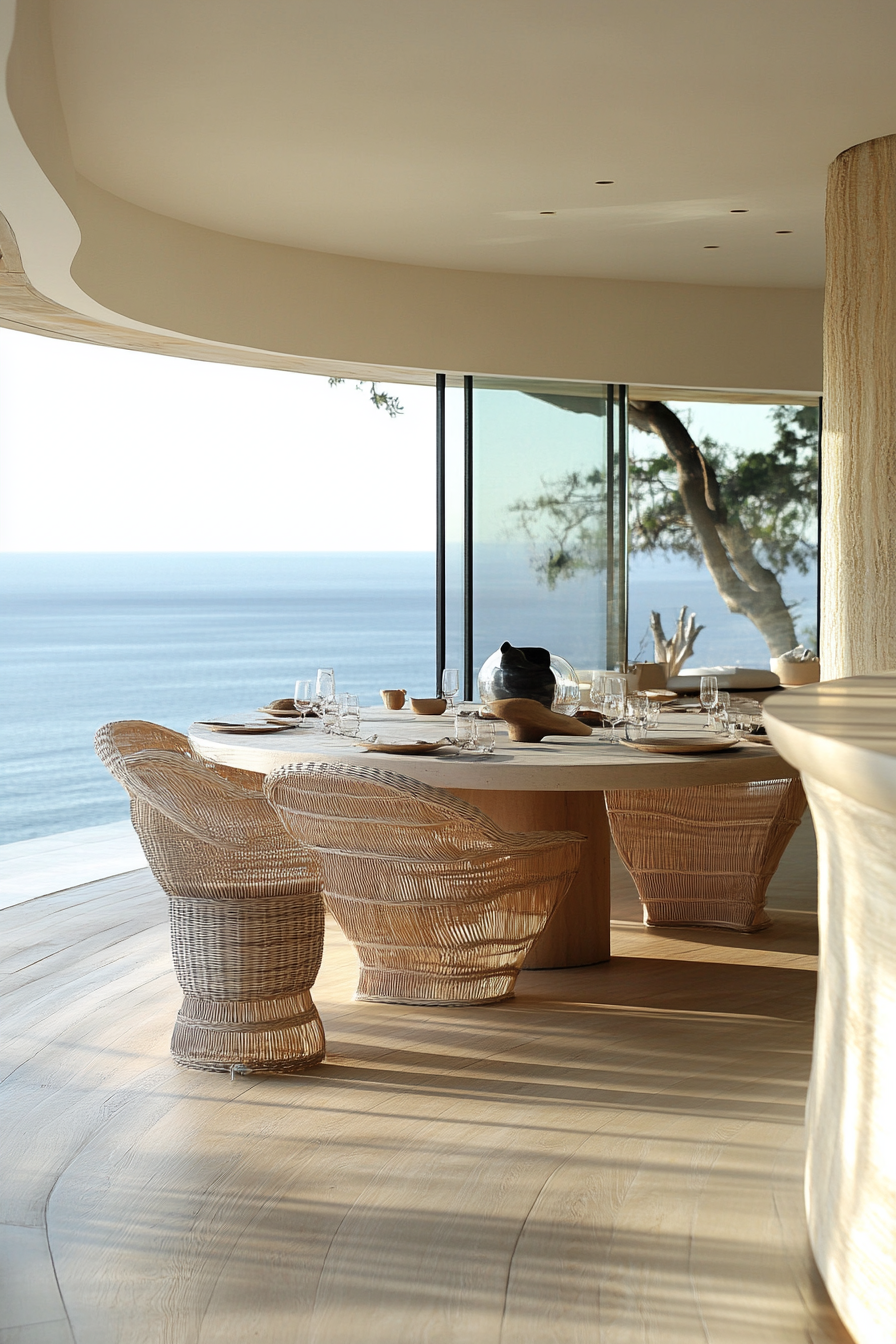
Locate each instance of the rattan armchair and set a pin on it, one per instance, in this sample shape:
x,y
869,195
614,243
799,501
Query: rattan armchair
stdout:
x,y
441,904
247,918
705,855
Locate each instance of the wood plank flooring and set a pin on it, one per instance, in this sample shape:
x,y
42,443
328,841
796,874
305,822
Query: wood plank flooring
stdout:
x,y
613,1156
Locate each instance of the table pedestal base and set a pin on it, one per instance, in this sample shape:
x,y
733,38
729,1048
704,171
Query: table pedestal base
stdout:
x,y
578,933
705,855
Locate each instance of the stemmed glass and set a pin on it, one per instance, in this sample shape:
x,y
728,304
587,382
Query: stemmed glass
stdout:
x,y
303,699
450,684
709,697
614,704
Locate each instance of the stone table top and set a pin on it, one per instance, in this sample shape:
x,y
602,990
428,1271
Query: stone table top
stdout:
x,y
562,764
842,733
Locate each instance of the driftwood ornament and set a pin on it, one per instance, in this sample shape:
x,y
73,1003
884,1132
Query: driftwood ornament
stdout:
x,y
530,721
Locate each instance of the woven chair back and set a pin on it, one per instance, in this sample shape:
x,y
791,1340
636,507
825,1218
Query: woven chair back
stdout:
x,y
366,811
440,903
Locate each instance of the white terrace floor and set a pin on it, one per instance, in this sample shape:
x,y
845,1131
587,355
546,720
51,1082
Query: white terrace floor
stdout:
x,y
614,1155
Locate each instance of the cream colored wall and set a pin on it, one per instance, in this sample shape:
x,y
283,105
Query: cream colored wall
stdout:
x,y
348,309
149,269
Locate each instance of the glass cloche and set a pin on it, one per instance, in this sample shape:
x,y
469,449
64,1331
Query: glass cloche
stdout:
x,y
530,674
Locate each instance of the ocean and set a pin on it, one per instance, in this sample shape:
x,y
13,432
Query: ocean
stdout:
x,y
176,637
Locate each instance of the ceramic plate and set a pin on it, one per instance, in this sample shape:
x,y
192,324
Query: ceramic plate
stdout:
x,y
407,748
245,727
684,746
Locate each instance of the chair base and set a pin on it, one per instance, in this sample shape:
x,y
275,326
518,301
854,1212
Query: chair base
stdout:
x,y
705,914
278,1035
383,984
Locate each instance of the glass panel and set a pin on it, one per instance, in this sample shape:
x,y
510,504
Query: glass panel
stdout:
x,y
540,518
759,595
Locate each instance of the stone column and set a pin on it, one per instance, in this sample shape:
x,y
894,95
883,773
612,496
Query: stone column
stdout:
x,y
858,526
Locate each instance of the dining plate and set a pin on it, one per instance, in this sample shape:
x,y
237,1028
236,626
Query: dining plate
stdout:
x,y
245,727
407,748
673,745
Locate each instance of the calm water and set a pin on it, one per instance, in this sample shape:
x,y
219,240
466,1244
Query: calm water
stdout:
x,y
88,638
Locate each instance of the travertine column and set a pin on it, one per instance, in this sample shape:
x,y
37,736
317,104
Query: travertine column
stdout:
x,y
858,529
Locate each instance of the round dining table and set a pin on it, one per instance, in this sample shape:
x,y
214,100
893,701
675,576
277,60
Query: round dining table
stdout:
x,y
558,784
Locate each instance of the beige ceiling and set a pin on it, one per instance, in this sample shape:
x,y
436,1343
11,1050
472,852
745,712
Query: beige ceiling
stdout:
x,y
436,133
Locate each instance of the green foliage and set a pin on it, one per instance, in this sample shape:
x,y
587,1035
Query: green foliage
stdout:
x,y
382,401
774,494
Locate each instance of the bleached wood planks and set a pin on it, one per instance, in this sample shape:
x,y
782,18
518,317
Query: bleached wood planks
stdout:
x,y
614,1155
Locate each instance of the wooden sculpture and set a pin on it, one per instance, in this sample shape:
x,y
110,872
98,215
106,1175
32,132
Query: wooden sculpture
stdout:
x,y
530,721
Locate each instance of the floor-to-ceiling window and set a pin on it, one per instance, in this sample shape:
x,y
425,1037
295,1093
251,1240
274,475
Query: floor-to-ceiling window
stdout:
x,y
724,519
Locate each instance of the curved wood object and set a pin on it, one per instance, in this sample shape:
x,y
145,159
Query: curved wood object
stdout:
x,y
530,721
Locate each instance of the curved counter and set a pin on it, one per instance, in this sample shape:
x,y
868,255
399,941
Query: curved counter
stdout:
x,y
841,735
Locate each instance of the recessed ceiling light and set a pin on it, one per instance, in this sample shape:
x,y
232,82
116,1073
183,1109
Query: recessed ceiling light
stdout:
x,y
604,182
710,247
738,212
547,212
783,230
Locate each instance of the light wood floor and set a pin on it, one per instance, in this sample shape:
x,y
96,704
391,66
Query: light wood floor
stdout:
x,y
613,1156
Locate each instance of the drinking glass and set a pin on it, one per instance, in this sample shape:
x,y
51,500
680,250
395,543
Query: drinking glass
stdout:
x,y
567,697
329,713
303,699
325,687
463,730
483,736
636,713
614,704
349,716
709,696
654,709
450,684
723,712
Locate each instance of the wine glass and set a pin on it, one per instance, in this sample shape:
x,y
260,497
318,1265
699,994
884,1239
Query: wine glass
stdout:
x,y
302,698
614,704
723,712
450,684
709,696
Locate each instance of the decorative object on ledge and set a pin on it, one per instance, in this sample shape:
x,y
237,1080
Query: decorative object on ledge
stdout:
x,y
441,903
530,674
674,652
393,699
530,721
706,855
799,667
433,706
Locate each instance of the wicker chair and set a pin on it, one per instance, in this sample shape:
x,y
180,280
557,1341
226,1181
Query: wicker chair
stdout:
x,y
441,904
705,855
247,919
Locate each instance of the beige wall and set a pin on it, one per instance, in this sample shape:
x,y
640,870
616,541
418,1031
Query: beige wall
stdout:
x,y
349,311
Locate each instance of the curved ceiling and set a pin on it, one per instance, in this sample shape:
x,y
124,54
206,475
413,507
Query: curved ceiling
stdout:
x,y
437,134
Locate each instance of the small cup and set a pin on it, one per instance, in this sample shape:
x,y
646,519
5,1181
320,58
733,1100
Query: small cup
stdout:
x,y
393,699
463,730
483,736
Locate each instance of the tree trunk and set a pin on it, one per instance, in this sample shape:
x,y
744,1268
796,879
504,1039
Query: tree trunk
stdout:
x,y
746,586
